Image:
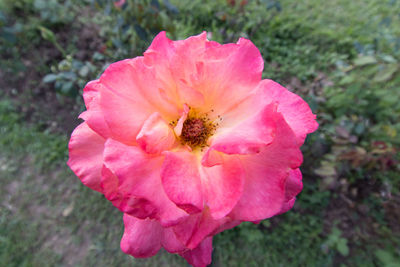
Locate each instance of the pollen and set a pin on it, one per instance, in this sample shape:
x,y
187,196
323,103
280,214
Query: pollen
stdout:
x,y
196,130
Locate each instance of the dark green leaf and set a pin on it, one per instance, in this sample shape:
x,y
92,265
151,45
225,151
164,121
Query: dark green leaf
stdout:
x,y
49,78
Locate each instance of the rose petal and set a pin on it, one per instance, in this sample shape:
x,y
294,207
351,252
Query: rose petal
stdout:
x,y
170,242
198,68
294,109
174,64
201,255
223,185
86,155
293,187
231,71
139,207
139,177
179,125
195,228
132,95
264,190
141,238
155,136
248,137
181,180
94,116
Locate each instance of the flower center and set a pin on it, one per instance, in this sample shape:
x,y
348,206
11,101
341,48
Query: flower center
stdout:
x,y
194,131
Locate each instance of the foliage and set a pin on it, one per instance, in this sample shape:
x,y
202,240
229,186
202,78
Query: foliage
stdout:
x,y
70,75
130,28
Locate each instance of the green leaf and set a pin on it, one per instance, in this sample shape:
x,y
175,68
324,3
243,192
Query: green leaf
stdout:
x,y
342,247
389,59
49,78
67,88
346,80
386,258
326,169
364,60
47,34
387,73
84,71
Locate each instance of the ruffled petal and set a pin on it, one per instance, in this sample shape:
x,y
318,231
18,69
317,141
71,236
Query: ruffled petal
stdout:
x,y
230,72
144,238
294,109
132,95
155,136
94,116
223,185
293,187
138,176
86,155
179,126
181,180
200,73
170,242
248,137
174,63
264,190
139,207
201,255
141,238
195,228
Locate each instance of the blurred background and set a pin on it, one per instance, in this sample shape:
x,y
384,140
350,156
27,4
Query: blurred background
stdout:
x,y
342,57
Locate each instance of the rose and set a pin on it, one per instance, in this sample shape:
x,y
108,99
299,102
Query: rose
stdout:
x,y
119,3
188,141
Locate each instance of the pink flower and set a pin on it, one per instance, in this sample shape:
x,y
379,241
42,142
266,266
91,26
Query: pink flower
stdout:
x,y
119,3
188,141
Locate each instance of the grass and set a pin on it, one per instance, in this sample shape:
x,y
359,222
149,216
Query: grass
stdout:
x,y
47,217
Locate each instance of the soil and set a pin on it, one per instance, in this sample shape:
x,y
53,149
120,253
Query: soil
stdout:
x,y
38,102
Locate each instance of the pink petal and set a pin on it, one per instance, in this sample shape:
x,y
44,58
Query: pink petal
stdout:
x,y
155,136
119,3
181,180
264,191
223,186
195,228
294,109
170,242
142,238
179,125
174,64
287,206
226,226
139,177
94,116
203,72
201,255
293,187
248,137
293,184
190,95
127,203
231,71
132,95
86,155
